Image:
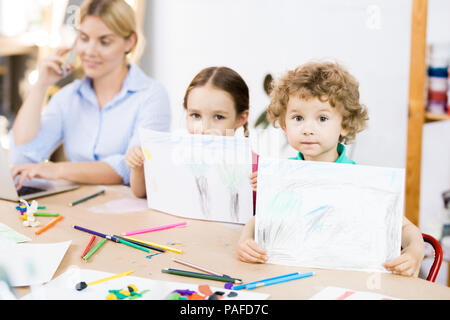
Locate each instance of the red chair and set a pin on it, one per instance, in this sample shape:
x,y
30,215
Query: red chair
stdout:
x,y
434,270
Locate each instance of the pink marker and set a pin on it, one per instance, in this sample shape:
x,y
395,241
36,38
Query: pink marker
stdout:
x,y
154,229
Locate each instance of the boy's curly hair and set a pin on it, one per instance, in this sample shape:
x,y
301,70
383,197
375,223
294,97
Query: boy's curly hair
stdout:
x,y
326,81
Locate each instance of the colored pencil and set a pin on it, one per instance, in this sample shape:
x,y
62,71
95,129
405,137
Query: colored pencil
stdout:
x,y
155,245
141,244
200,268
46,214
90,253
99,234
275,281
198,275
50,224
131,233
243,286
133,245
41,207
88,246
86,198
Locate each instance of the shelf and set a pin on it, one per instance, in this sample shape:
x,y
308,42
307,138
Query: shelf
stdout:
x,y
12,46
3,70
431,117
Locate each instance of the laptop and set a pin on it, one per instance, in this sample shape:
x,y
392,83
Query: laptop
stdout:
x,y
35,188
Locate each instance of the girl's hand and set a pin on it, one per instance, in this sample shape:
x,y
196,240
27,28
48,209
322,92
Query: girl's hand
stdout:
x,y
249,251
50,69
254,180
135,158
44,170
407,264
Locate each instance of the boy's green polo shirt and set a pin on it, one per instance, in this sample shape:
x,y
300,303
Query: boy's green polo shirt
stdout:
x,y
341,152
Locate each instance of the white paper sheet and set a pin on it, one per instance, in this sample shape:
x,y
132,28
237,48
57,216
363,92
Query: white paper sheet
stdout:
x,y
336,293
9,234
329,215
198,176
63,287
29,264
122,205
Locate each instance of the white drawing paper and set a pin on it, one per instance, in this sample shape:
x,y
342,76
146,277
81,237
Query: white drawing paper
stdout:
x,y
329,215
122,205
63,287
31,264
337,293
198,176
9,234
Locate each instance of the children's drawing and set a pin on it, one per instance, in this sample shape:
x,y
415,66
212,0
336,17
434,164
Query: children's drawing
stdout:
x,y
199,170
328,215
198,176
232,177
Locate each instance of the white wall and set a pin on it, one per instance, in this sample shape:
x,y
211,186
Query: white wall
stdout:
x,y
254,37
438,22
435,172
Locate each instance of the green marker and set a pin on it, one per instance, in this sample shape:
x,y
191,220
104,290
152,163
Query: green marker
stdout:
x,y
90,253
46,214
199,275
133,245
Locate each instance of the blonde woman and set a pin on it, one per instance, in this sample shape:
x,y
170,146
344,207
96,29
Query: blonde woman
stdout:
x,y
96,118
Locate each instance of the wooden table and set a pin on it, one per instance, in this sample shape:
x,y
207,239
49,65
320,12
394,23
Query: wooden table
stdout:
x,y
209,244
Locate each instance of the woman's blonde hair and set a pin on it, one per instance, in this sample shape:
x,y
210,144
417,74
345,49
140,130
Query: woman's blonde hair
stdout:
x,y
326,81
118,16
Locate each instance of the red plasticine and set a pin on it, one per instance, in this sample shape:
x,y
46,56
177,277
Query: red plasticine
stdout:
x,y
205,290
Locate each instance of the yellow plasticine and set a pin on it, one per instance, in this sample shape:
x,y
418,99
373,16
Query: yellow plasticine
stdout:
x,y
132,286
147,154
111,296
125,292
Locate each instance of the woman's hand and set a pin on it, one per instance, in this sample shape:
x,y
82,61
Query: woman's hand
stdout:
x,y
50,69
43,170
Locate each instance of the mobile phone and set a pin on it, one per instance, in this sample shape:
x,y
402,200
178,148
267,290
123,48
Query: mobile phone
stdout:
x,y
70,58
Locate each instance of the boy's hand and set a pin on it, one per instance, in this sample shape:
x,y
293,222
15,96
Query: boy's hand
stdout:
x,y
254,180
407,264
249,251
135,158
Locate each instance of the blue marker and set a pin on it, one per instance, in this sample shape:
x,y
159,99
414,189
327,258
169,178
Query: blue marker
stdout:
x,y
243,286
275,281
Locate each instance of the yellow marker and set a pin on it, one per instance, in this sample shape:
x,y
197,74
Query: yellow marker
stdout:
x,y
147,154
154,244
83,285
111,278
